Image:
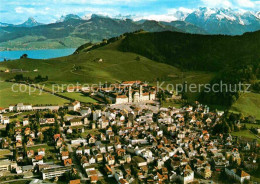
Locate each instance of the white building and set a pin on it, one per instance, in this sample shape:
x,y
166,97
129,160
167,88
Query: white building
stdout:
x,y
4,120
25,121
54,172
76,122
46,121
7,165
20,107
85,111
187,175
75,106
238,174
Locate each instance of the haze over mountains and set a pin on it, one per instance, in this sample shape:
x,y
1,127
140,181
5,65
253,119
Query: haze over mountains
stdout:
x,y
72,30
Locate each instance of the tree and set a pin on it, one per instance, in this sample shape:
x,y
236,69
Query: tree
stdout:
x,y
41,138
25,148
23,56
56,127
251,119
15,154
19,77
108,101
138,58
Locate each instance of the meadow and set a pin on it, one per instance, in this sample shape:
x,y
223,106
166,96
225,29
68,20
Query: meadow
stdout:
x,y
8,96
248,104
79,96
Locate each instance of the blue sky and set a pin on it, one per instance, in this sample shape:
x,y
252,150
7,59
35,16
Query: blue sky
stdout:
x,y
46,11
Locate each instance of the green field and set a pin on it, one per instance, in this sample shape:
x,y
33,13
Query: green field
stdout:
x,y
171,104
46,147
244,133
247,133
8,96
41,42
79,97
90,131
248,104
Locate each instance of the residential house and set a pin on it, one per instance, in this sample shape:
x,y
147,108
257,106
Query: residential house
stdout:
x,y
67,162
41,151
44,121
237,174
75,122
64,155
25,121
75,106
30,154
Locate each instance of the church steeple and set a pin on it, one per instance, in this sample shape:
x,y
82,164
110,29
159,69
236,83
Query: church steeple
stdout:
x,y
141,92
130,100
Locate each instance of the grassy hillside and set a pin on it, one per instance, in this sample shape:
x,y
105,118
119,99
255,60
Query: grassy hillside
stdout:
x,y
115,66
86,67
40,42
248,104
195,52
7,96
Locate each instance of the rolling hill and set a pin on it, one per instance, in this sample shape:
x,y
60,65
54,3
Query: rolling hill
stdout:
x,y
195,52
161,56
115,65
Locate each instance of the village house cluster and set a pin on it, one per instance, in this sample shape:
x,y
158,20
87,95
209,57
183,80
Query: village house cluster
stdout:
x,y
123,144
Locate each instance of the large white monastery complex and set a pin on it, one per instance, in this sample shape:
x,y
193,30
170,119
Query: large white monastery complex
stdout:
x,y
128,92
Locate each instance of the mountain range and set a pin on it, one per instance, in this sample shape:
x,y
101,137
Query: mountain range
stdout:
x,y
73,31
30,22
224,21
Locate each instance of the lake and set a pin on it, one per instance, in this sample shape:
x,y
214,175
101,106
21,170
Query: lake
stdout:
x,y
36,54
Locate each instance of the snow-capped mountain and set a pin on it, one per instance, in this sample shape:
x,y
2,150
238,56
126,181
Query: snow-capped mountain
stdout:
x,y
224,21
213,20
31,22
68,17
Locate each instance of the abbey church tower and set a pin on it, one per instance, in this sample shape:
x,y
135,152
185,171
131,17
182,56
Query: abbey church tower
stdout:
x,y
141,92
130,100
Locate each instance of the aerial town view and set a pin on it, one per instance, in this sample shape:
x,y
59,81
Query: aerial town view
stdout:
x,y
130,92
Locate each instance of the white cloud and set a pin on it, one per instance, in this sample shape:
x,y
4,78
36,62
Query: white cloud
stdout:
x,y
186,10
182,9
231,3
166,18
246,3
24,10
217,3
101,2
31,11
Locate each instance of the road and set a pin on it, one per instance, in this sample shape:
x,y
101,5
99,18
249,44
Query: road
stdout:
x,y
74,159
10,181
